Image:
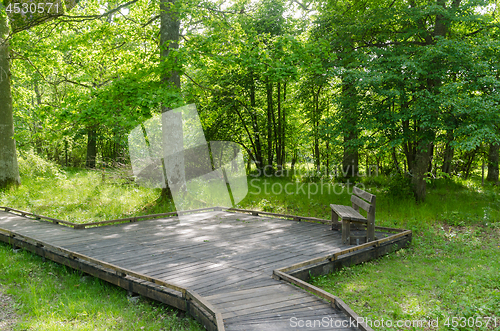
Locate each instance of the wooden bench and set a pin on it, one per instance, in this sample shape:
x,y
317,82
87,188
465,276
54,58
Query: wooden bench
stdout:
x,y
351,215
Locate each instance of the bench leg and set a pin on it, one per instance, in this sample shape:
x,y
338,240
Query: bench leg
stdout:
x,y
335,219
370,231
346,232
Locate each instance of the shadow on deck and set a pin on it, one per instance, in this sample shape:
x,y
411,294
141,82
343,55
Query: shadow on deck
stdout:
x,y
230,269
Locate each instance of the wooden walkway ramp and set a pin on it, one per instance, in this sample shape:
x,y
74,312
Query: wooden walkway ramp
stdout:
x,y
225,259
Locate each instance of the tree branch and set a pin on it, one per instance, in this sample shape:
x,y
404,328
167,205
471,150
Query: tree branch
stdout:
x,y
22,57
151,21
93,17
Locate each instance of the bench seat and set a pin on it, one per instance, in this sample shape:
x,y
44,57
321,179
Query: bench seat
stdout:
x,y
348,215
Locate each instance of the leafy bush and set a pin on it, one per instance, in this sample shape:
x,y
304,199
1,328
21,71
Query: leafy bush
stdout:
x,y
32,165
399,186
313,176
374,181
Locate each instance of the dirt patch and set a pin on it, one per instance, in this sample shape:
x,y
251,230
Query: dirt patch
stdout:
x,y
8,316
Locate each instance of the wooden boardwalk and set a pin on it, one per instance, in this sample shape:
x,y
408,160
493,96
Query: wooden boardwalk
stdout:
x,y
226,259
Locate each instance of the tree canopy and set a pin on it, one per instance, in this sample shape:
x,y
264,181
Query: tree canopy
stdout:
x,y
410,87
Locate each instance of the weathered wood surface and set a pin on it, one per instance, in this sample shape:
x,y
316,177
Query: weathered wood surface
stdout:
x,y
227,259
351,214
348,213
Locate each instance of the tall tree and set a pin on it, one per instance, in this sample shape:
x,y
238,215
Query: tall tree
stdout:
x,y
169,42
9,173
493,158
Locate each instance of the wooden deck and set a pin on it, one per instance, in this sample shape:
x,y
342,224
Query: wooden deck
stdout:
x,y
227,262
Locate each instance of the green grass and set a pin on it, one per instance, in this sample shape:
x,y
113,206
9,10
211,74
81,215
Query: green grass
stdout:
x,y
451,269
83,196
49,296
453,202
447,272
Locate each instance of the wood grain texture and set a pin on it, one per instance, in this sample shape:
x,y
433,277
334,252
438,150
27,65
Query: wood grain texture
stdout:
x,y
222,262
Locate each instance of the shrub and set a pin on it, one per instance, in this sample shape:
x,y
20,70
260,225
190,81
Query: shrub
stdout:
x,y
399,186
32,165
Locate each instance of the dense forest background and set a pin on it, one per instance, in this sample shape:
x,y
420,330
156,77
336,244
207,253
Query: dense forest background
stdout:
x,y
410,87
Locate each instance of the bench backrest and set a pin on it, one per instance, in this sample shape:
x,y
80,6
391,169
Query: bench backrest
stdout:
x,y
364,200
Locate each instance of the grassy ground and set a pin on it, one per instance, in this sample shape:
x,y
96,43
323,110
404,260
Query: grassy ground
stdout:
x,y
447,273
451,272
451,269
49,296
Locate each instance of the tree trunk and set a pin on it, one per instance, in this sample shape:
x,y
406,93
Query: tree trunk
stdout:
x,y
278,134
169,39
350,159
469,163
493,162
425,146
409,147
9,172
394,159
91,148
269,92
422,160
35,138
283,128
316,133
294,159
431,155
448,155
257,146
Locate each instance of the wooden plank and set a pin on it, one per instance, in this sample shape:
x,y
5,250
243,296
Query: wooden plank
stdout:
x,y
191,274
244,305
193,296
348,213
213,278
336,301
147,217
261,264
286,216
242,285
345,251
174,267
25,213
75,255
317,291
259,245
252,310
241,233
349,312
362,203
275,288
313,309
363,194
219,321
269,268
248,277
